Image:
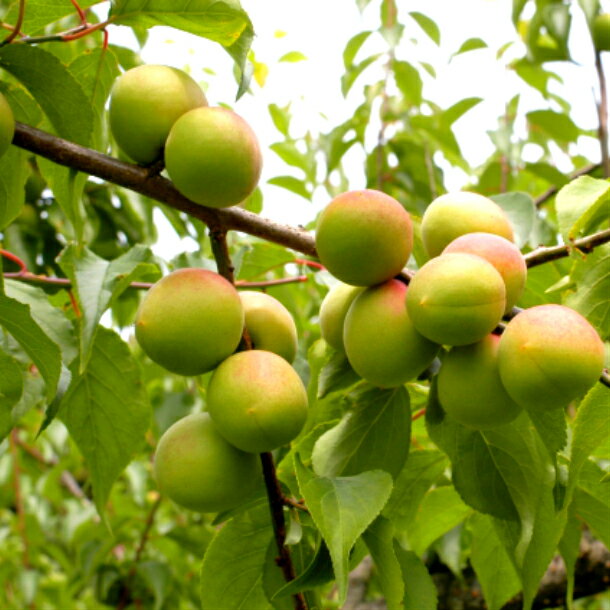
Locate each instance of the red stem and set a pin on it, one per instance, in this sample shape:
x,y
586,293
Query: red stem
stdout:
x,y
23,269
81,12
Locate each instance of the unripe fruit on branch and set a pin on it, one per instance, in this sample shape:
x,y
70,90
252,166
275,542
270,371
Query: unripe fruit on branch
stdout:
x,y
269,324
502,254
190,321
333,310
380,340
7,125
213,157
455,214
144,104
364,237
470,389
196,467
548,356
456,299
257,401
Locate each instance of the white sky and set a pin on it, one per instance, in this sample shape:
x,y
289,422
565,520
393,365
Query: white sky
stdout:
x,y
320,29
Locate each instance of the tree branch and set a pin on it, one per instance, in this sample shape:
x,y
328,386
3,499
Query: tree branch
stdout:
x,y
586,244
583,171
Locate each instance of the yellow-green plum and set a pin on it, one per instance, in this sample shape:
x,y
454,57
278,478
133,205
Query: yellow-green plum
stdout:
x,y
213,157
257,401
196,467
333,311
502,254
364,237
380,340
548,356
269,324
7,125
455,214
456,299
144,104
190,321
470,389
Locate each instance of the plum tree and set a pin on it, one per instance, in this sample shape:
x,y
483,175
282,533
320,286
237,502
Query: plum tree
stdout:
x,y
470,389
196,467
190,321
213,157
502,254
269,324
144,104
7,125
380,340
257,401
456,299
548,356
364,237
333,310
455,214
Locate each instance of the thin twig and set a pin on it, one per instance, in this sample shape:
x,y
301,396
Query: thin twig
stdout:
x,y
602,114
18,24
583,171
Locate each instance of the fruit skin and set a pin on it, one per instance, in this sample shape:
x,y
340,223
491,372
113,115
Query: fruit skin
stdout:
x,y
456,299
7,125
269,324
144,104
257,401
548,356
502,254
600,31
333,310
198,469
455,214
380,340
213,157
190,321
364,237
470,389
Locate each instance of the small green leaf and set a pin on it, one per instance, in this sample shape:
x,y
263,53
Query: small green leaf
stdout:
x,y
521,212
290,183
459,109
472,44
350,76
292,57
280,117
427,25
352,47
555,125
408,81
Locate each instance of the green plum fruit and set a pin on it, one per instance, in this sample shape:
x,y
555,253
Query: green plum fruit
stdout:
x,y
269,324
190,321
364,237
380,340
333,310
257,401
196,467
144,104
600,31
7,125
502,254
548,356
213,157
469,386
455,214
456,299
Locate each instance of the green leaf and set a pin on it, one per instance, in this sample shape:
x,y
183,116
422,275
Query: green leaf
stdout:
x,y
350,76
535,76
373,435
106,411
342,508
11,386
555,125
97,282
592,501
290,154
232,568
352,47
579,203
409,82
337,374
292,57
17,320
14,172
427,25
40,13
459,109
492,565
280,117
569,547
521,212
290,183
472,44
420,591
591,276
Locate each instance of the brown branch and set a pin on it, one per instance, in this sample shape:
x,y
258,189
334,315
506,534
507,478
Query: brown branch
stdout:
x,y
602,114
583,171
137,179
585,244
18,25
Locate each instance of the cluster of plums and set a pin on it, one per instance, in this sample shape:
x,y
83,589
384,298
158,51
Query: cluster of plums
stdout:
x,y
211,154
191,322
391,332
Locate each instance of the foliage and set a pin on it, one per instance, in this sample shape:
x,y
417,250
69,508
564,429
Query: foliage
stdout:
x,y
81,407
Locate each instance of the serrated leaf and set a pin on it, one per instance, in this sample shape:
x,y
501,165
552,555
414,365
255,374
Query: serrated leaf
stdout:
x,y
427,25
591,276
342,508
290,183
17,320
374,435
97,282
420,591
352,47
521,212
408,81
40,13
106,411
579,202
472,44
231,577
